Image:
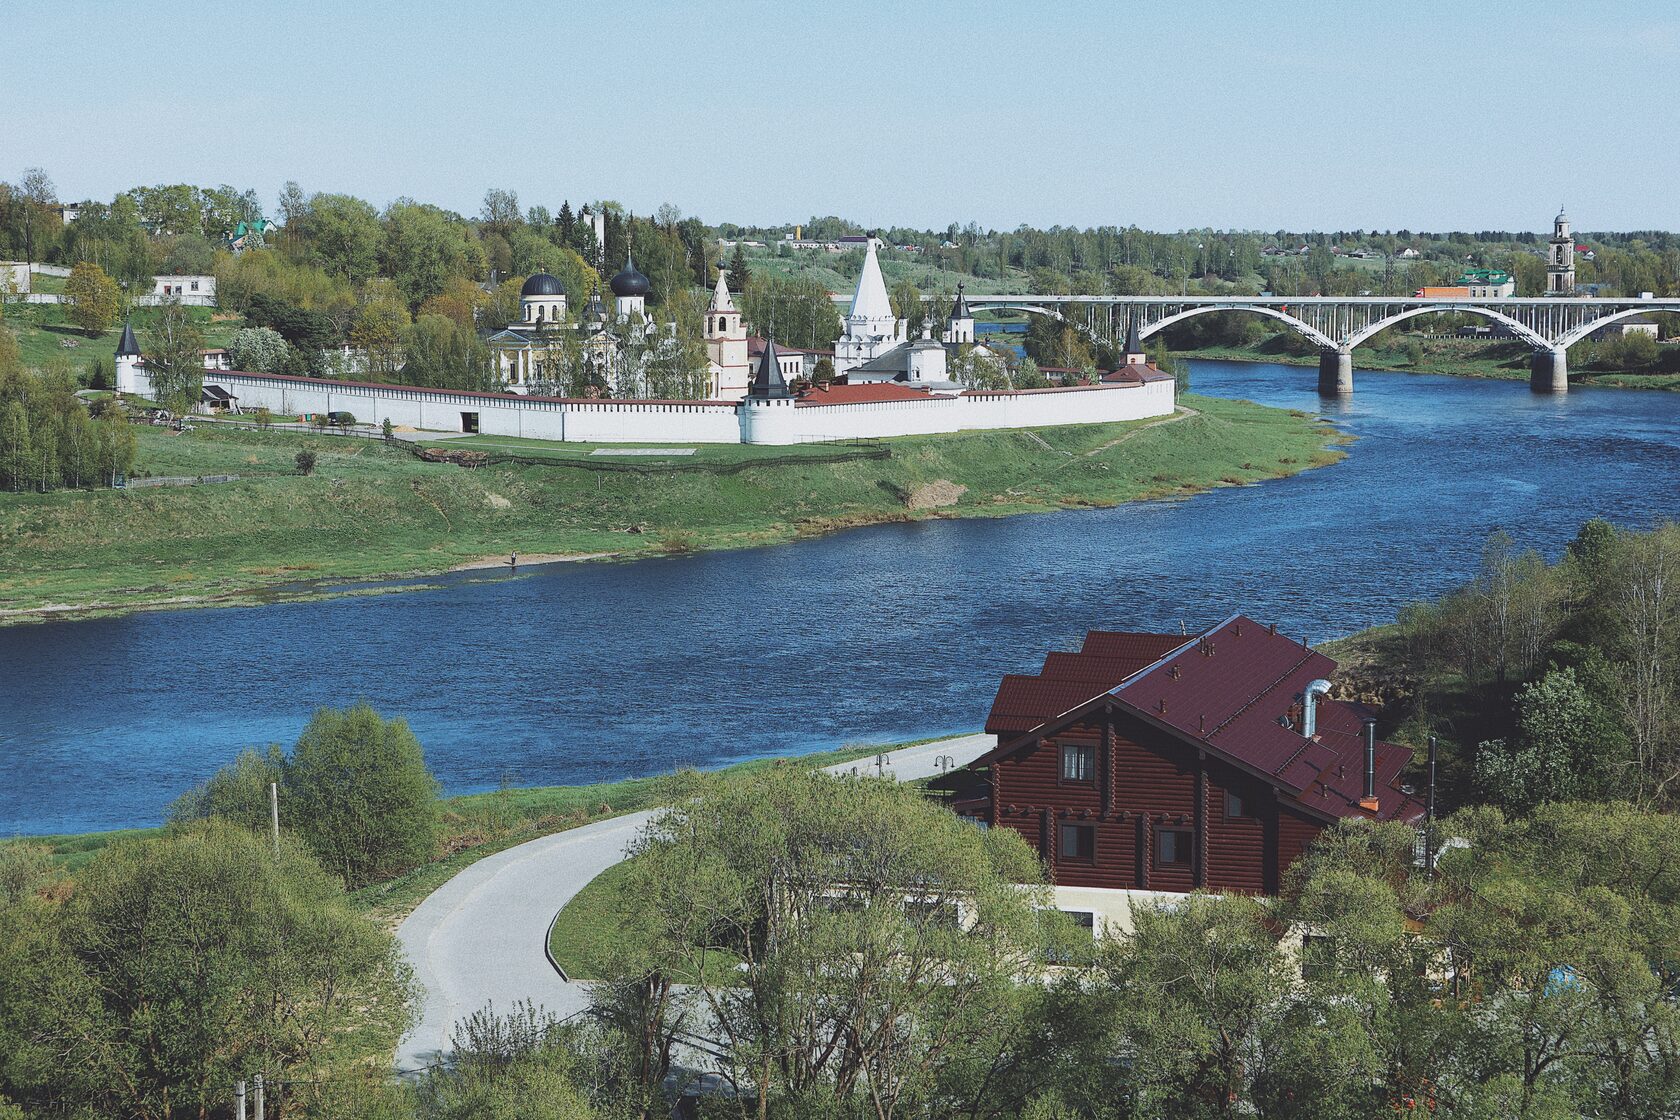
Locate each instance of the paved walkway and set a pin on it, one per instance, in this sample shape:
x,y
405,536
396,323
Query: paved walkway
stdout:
x,y
482,937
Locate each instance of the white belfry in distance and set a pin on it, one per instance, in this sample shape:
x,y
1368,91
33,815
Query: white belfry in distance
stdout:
x,y
959,328
726,344
871,327
1560,263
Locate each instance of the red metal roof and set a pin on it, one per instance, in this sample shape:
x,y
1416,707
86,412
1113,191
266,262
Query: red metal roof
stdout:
x,y
1144,648
1025,702
1234,690
868,392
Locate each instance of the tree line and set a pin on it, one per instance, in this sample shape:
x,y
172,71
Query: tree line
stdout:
x,y
49,439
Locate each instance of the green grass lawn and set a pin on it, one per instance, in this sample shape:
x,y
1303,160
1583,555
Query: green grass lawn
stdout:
x,y
693,453
600,918
45,333
372,511
43,283
817,265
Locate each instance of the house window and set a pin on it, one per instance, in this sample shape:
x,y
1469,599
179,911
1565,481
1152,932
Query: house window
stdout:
x,y
1079,762
1079,843
1084,919
1173,847
1236,808
195,285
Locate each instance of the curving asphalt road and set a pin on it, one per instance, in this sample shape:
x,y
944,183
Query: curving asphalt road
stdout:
x,y
482,937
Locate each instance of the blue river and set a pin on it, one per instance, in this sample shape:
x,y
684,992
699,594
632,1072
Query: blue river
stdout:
x,y
584,672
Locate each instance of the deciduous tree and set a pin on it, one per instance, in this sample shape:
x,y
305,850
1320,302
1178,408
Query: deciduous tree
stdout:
x,y
174,353
94,298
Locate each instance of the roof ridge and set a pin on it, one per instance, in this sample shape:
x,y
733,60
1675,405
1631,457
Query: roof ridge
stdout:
x,y
1258,696
1175,651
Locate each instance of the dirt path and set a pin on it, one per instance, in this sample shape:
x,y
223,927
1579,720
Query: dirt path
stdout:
x,y
1182,412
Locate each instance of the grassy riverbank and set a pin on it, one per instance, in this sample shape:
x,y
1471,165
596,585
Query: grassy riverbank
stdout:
x,y
477,825
371,511
1497,359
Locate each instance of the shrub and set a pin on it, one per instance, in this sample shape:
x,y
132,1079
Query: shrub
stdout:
x,y
358,791
306,461
237,792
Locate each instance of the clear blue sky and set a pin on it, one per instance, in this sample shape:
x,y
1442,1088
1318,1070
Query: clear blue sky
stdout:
x,y
1362,113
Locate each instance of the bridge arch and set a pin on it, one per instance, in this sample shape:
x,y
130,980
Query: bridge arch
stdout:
x,y
1569,339
1313,335
1537,341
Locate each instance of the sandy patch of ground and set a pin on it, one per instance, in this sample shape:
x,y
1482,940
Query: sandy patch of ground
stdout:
x,y
528,558
934,495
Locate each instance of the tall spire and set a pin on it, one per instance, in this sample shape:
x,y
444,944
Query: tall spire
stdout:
x,y
870,301
767,382
1133,346
720,294
959,309
128,348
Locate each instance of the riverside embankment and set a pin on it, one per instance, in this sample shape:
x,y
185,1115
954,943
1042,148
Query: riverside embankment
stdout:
x,y
371,512
888,633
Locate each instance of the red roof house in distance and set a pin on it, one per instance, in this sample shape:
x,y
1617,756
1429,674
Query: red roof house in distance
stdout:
x,y
1160,762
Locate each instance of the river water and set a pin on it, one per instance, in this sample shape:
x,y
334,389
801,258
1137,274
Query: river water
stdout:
x,y
585,672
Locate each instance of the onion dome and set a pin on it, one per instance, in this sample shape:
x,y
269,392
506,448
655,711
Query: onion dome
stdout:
x,y
542,284
630,282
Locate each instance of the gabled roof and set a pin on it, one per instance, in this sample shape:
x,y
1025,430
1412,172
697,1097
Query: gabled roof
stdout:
x,y
1234,691
870,301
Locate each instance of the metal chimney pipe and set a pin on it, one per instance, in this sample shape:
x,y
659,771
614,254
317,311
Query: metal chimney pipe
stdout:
x,y
1309,703
1370,799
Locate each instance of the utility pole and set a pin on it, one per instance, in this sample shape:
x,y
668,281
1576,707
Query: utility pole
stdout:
x,y
274,828
259,1103
1429,817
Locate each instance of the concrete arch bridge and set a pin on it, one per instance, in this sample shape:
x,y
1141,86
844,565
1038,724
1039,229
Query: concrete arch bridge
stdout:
x,y
1336,324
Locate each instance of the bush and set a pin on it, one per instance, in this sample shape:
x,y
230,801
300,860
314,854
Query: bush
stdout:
x,y
237,792
306,461
183,962
358,791
355,790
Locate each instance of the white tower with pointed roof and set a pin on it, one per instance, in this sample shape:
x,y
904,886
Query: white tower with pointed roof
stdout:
x,y
726,344
127,363
871,328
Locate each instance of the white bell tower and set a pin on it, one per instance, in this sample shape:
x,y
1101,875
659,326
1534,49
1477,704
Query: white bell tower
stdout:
x,y
1560,260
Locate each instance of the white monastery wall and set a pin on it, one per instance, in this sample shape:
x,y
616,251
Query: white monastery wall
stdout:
x,y
772,422
782,422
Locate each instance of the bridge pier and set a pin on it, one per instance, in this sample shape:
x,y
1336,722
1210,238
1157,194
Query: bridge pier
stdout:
x,y
1549,371
1335,372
